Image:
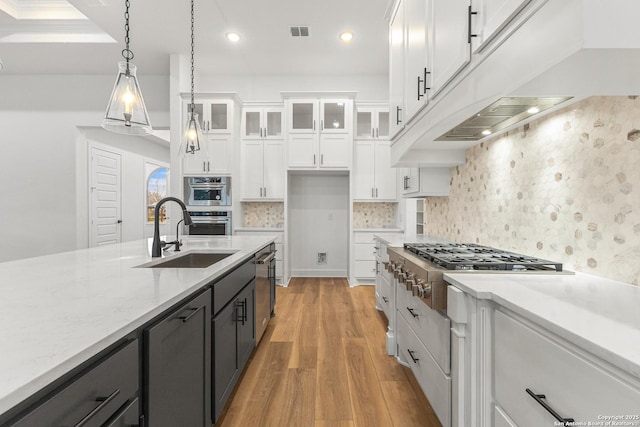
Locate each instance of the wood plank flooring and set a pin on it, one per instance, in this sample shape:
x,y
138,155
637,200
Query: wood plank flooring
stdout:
x,y
322,362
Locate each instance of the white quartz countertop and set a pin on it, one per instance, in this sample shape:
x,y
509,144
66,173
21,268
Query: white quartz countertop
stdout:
x,y
260,229
599,315
399,239
57,311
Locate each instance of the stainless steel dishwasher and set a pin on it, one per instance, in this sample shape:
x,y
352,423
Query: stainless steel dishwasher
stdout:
x,y
265,288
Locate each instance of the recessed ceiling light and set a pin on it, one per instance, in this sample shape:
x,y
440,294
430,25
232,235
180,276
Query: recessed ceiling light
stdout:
x,y
346,37
486,132
533,110
234,37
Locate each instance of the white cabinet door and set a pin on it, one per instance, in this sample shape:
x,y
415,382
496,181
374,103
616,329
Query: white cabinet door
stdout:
x,y
491,16
195,164
396,71
451,48
218,116
417,59
302,116
411,180
302,150
272,123
334,151
220,154
385,175
252,123
334,116
364,171
365,123
274,169
252,169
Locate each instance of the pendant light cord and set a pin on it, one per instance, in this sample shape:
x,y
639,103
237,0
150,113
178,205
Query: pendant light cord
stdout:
x,y
127,54
192,56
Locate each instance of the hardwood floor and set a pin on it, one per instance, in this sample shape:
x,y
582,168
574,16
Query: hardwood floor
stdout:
x,y
322,363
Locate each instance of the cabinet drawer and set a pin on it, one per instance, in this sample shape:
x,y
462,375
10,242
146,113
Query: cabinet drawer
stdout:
x,y
365,251
364,237
431,328
227,287
435,384
573,386
365,269
385,297
107,386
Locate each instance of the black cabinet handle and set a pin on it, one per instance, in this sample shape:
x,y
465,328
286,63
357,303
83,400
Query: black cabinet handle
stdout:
x,y
415,360
469,34
420,93
125,408
398,121
412,312
243,317
385,299
426,73
186,318
104,401
538,398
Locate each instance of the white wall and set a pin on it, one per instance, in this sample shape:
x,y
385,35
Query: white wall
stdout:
x,y
318,221
268,88
39,119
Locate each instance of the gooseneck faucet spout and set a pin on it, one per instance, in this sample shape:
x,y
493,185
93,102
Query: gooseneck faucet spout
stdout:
x,y
156,248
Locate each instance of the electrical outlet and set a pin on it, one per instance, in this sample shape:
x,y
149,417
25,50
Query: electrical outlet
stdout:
x,y
322,258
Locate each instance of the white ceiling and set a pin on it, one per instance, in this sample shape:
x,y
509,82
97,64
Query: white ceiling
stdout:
x,y
162,27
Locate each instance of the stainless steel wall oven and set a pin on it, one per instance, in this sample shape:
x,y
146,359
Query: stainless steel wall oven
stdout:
x,y
207,191
210,223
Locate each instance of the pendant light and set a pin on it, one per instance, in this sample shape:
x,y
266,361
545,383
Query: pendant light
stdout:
x,y
193,131
126,112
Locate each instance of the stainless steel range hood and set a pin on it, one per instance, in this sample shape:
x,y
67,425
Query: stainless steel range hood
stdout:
x,y
563,52
500,115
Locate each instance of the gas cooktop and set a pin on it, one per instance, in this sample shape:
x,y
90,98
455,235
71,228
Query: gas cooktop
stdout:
x,y
469,256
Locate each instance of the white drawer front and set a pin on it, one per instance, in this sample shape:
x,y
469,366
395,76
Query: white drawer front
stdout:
x,y
381,251
366,269
433,329
435,383
363,237
573,387
365,251
385,296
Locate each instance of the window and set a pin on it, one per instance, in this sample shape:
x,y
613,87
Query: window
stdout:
x,y
157,185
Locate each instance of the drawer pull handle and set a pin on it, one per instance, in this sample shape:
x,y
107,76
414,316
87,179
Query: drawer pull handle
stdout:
x,y
415,360
412,312
538,398
186,318
121,412
104,401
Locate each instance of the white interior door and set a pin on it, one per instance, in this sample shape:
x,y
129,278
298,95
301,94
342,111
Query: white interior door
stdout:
x,y
105,198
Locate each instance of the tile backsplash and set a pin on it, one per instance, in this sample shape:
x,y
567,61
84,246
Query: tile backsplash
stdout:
x,y
374,215
565,187
263,214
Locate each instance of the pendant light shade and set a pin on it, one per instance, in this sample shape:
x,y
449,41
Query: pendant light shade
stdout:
x,y
193,132
126,112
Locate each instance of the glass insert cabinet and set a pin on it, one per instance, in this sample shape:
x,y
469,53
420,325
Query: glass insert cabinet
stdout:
x,y
324,116
214,115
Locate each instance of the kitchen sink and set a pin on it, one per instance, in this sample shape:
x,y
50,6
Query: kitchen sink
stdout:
x,y
191,260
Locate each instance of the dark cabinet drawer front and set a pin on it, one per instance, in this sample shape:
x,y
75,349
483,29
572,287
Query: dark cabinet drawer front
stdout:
x,y
227,287
96,396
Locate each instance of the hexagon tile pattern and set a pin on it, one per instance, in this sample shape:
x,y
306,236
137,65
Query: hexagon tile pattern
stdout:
x,y
565,187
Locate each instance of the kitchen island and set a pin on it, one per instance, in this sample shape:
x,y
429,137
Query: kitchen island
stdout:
x,y
59,311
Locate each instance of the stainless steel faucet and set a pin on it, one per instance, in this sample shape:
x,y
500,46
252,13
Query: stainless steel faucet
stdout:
x,y
156,248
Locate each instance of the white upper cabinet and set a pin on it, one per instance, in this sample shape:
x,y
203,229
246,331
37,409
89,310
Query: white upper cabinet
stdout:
x,y
262,123
319,133
373,176
214,115
214,158
418,58
490,16
451,40
372,123
262,153
396,71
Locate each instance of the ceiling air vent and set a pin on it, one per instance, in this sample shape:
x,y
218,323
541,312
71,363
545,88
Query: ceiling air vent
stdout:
x,y
299,31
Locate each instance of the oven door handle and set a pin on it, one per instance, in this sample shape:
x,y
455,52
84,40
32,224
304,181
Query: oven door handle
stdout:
x,y
267,257
208,186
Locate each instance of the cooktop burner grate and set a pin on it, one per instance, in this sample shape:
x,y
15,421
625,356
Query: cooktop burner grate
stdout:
x,y
469,256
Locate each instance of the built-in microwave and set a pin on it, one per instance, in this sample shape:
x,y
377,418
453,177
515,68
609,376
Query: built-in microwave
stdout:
x,y
207,191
